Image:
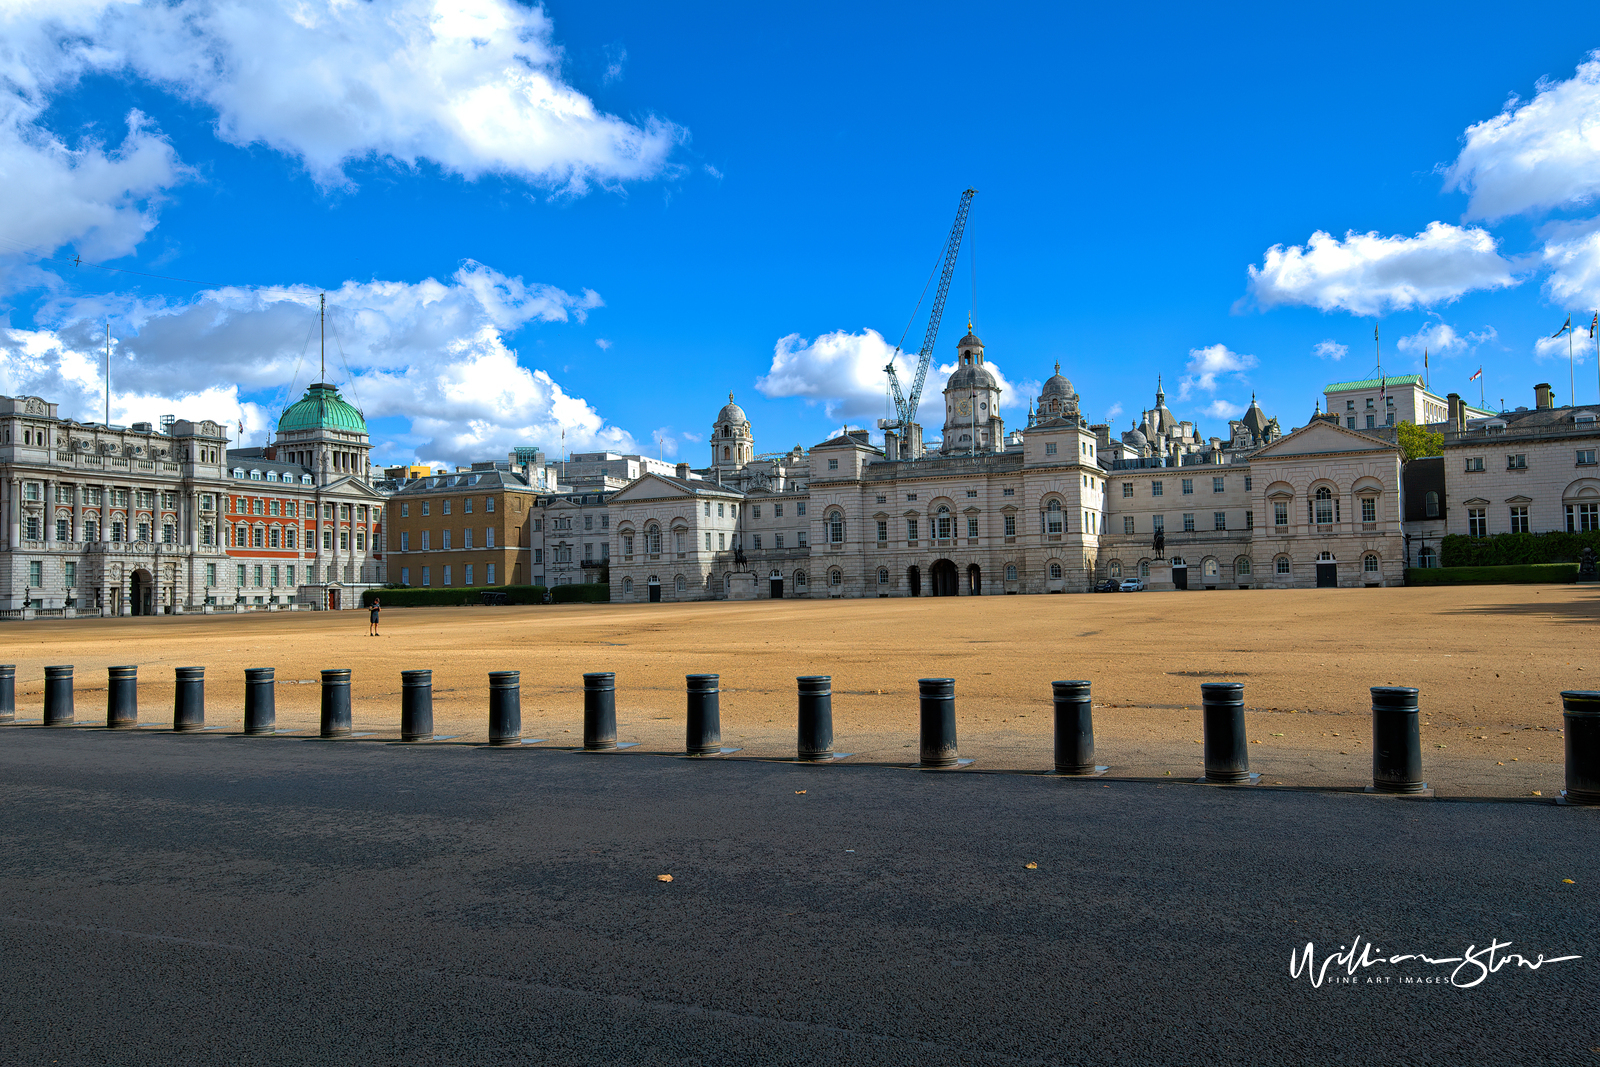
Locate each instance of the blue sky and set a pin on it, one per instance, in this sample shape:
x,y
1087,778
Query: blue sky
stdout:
x,y
601,218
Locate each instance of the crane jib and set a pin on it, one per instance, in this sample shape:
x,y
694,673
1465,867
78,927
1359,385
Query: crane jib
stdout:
x,y
906,406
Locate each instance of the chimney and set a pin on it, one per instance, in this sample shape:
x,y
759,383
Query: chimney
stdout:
x,y
1453,410
683,471
1541,397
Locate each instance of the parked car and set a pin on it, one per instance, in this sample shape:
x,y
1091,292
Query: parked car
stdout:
x,y
1110,585
1132,585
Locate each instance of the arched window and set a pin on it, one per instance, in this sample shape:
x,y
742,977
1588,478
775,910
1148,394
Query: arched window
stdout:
x,y
1427,557
883,576
1324,505
1011,572
678,585
1430,504
1208,568
1369,563
652,539
627,587
726,452
835,577
1281,565
1052,517
1144,568
836,527
943,521
1055,570
1115,570
800,579
1241,566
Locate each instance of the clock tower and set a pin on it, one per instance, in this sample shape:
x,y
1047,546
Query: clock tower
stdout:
x,y
972,420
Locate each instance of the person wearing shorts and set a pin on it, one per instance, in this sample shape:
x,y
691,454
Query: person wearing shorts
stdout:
x,y
372,629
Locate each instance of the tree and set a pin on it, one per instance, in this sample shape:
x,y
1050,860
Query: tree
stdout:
x,y
1415,442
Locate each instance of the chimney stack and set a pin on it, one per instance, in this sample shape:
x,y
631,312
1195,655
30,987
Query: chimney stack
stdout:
x,y
1453,410
683,471
1541,397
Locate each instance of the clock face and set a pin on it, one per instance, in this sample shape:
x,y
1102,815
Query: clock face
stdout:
x,y
964,408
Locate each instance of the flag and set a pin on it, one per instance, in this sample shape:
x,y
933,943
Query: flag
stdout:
x,y
1475,377
1565,326
1595,324
241,428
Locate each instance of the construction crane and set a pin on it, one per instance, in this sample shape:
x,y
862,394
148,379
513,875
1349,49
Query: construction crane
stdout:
x,y
905,406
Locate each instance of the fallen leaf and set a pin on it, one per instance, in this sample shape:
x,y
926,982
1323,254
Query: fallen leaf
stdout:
x,y
1569,881
663,877
1031,865
1497,763
1537,793
1277,735
799,792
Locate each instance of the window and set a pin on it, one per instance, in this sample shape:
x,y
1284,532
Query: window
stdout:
x,y
468,571
488,505
488,538
1369,509
1250,520
241,575
1519,519
62,531
427,578
911,529
1477,523
447,576
1581,518
777,540
835,578
1055,570
1281,565
1011,572
35,572
1127,524
1144,568
836,527
1518,462
833,464
1008,492
652,540
1369,564
1049,448
273,537
972,527
942,524
1188,487
1188,522
1474,463
1219,520
720,513
1052,515
1155,488
1430,505
538,555
883,530
466,538
444,540
1369,403
1241,567
405,575
1115,569
883,576
1323,505
1216,485
1585,457
881,499
777,511
259,568
1158,524
1247,481
275,576
972,494
911,497
708,540
289,574
444,510
757,542
466,508
426,508
1209,568
799,507
1372,420
1127,490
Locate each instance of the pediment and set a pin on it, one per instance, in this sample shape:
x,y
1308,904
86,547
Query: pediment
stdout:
x,y
971,510
651,487
1476,501
1322,437
1519,500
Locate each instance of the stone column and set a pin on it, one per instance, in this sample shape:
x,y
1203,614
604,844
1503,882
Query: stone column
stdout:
x,y
14,513
49,512
77,512
108,495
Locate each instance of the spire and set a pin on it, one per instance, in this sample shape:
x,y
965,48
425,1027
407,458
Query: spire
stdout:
x,y
1058,366
1161,397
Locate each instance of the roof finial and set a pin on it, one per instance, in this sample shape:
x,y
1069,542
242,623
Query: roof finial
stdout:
x,y
730,398
1058,366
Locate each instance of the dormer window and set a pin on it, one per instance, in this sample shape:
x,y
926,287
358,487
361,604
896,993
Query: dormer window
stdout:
x,y
1584,418
238,472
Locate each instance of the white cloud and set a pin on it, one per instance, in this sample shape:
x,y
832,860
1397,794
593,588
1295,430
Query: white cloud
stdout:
x,y
1221,409
1435,337
430,352
1330,349
605,346
1573,254
693,437
844,373
1547,348
1535,155
666,444
1367,274
1113,411
474,86
616,58
1208,364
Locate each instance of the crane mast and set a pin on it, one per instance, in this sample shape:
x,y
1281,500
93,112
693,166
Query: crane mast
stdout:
x,y
905,405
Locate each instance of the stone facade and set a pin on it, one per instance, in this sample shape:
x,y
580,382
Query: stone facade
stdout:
x,y
470,528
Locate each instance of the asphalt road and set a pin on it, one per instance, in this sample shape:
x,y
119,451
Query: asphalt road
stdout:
x,y
218,899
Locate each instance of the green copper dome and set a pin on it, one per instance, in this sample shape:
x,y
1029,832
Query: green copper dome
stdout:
x,y
322,408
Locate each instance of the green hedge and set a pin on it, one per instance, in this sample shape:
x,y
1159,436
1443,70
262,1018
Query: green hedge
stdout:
x,y
1511,549
419,597
584,593
1527,574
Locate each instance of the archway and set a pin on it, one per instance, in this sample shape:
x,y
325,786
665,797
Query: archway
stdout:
x,y
653,587
944,578
776,585
143,593
333,598
974,581
914,581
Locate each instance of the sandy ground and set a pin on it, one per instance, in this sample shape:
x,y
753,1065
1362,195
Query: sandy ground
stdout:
x,y
1490,663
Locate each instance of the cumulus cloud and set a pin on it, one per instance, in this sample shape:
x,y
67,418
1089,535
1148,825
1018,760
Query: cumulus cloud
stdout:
x,y
1548,348
1113,411
1435,337
1221,409
473,86
844,373
605,346
1208,365
433,353
1537,154
1330,349
1573,255
1367,274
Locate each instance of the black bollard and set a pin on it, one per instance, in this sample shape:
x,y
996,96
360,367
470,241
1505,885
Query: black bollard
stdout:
x,y
416,705
1396,741
816,717
58,706
705,714
938,700
8,692
336,702
599,711
505,708
189,699
1074,728
1580,710
122,697
260,700
1227,749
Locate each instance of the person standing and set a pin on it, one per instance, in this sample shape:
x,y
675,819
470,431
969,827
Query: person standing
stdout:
x,y
372,629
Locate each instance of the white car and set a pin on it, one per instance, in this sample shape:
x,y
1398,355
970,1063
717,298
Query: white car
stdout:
x,y
1132,585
